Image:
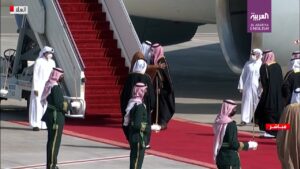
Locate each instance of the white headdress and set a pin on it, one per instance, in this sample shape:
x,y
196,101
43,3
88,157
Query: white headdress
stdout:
x,y
46,49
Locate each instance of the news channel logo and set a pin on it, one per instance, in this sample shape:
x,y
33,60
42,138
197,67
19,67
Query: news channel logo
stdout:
x,y
21,10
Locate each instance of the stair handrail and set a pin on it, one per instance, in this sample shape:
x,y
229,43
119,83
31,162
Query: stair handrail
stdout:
x,y
70,36
132,43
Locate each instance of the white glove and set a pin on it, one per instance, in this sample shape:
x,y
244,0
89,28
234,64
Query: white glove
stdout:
x,y
3,92
75,104
126,121
155,127
253,145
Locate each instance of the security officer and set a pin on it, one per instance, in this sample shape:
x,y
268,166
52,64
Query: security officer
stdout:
x,y
138,126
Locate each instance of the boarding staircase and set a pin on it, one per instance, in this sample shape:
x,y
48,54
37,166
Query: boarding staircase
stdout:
x,y
105,68
101,41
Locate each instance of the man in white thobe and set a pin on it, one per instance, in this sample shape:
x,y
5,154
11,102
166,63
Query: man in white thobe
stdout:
x,y
249,86
41,72
146,49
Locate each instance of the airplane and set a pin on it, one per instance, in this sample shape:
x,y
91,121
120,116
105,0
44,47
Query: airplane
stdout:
x,y
181,19
175,21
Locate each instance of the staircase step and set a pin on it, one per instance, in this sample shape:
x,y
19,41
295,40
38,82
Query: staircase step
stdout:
x,y
102,92
104,78
113,106
93,16
104,114
104,110
108,81
114,102
93,41
113,58
102,87
100,82
99,59
81,7
105,83
100,53
103,61
102,73
95,51
92,34
112,69
88,25
99,63
105,44
102,100
101,109
77,1
107,72
104,69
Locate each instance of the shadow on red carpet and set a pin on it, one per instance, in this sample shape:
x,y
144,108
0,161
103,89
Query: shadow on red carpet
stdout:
x,y
183,141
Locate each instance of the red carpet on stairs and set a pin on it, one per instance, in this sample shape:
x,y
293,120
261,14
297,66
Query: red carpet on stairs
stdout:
x,y
183,141
105,68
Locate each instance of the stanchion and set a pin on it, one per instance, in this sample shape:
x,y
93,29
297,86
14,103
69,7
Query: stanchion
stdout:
x,y
155,126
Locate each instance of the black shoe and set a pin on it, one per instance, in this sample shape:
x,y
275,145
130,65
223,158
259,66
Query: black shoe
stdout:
x,y
163,126
36,129
52,167
242,123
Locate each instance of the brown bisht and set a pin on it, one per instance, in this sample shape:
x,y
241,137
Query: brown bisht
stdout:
x,y
288,141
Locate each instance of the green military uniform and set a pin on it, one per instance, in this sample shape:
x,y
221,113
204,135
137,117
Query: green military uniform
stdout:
x,y
55,119
138,135
228,157
149,98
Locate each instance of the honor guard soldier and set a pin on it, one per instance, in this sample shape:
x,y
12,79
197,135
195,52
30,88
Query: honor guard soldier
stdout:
x,y
137,74
54,116
226,144
136,118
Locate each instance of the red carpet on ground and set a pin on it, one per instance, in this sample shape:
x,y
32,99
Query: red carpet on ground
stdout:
x,y
183,141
